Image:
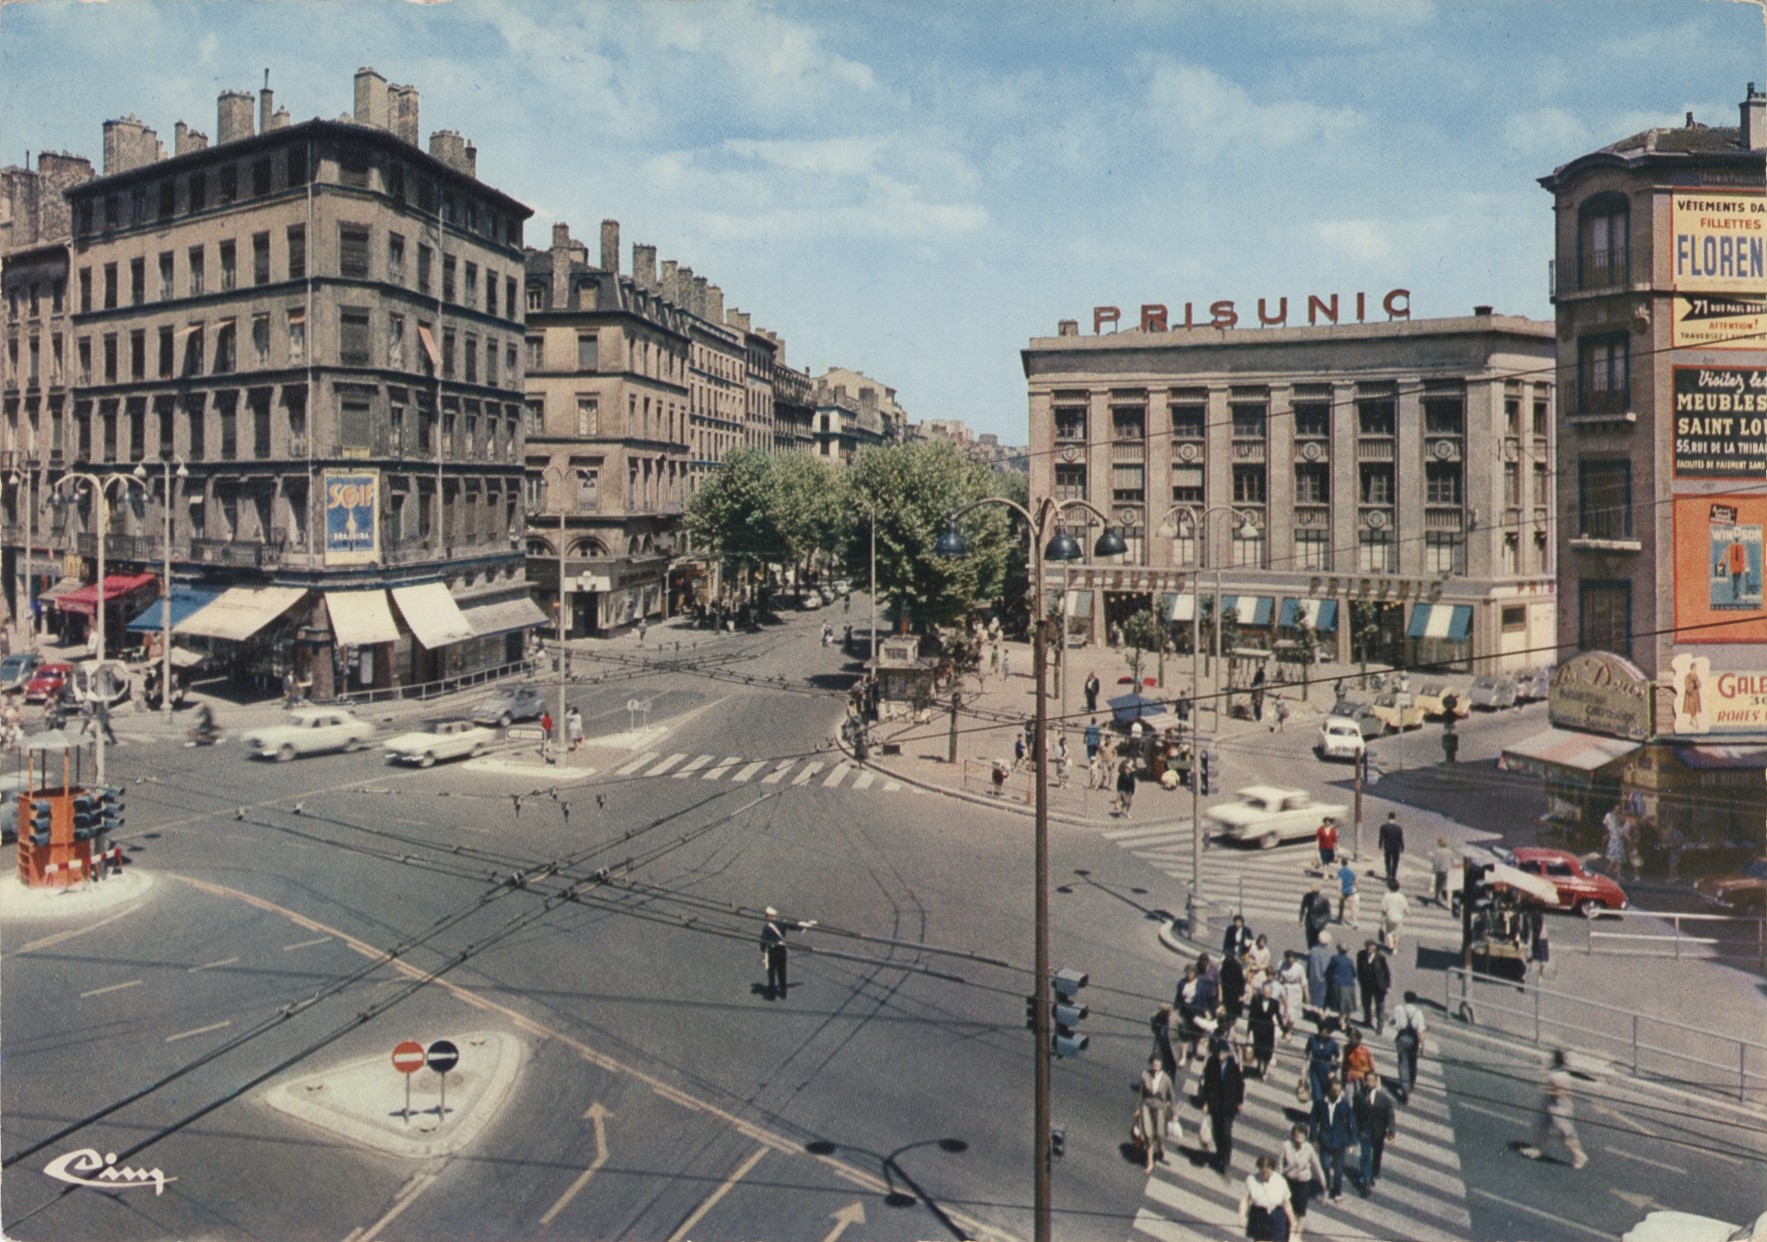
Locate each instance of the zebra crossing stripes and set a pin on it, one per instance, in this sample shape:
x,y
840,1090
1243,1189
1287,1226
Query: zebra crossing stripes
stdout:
x,y
864,779
842,773
805,773
665,765
778,773
692,766
642,760
838,775
717,773
747,773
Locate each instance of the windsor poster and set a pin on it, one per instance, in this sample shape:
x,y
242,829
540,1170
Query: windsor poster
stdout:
x,y
1718,562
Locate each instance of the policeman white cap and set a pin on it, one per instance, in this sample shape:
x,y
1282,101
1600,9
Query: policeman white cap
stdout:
x,y
772,913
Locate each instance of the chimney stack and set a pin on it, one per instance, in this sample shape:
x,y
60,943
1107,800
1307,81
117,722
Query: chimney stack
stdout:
x,y
610,246
644,266
737,319
129,144
266,105
450,148
233,116
280,120
671,283
404,101
1754,120
714,308
470,160
371,99
561,235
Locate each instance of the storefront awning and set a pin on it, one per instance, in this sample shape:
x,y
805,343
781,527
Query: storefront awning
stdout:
x,y
1565,749
1450,621
1183,608
1077,604
185,600
361,618
240,612
85,600
1250,609
504,616
1321,614
1727,758
61,588
432,614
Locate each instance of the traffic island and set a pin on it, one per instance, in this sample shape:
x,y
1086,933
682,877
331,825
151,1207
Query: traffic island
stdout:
x,y
20,902
402,1101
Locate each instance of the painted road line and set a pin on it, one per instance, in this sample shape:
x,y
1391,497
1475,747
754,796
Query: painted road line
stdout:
x,y
597,1114
778,773
717,773
838,775
1128,838
417,1185
692,766
666,764
201,1030
1544,1215
304,944
748,773
226,961
115,987
805,773
1153,1226
1658,1164
647,757
58,937
892,786
724,1188
864,779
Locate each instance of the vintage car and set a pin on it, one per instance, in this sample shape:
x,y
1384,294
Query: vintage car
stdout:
x,y
1266,816
1433,699
1534,684
46,683
310,731
1664,1226
1586,892
510,704
1398,711
445,739
1339,738
18,668
1492,691
1740,892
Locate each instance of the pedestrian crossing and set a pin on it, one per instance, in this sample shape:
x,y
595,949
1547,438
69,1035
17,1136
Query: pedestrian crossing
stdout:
x,y
794,773
1419,1196
1267,885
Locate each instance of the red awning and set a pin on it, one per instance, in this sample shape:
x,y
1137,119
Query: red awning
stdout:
x,y
85,600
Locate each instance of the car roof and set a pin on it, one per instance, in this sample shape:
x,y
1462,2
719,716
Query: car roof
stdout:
x,y
1345,722
1541,853
1269,792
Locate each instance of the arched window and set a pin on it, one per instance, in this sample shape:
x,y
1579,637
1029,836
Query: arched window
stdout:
x,y
1604,241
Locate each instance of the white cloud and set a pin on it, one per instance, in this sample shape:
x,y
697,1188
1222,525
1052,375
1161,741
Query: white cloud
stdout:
x,y
1200,114
1547,133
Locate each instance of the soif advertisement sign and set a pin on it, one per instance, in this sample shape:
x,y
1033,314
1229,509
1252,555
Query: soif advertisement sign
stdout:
x,y
1720,241
352,517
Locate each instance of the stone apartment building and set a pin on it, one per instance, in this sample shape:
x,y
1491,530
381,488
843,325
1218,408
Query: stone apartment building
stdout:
x,y
851,412
319,326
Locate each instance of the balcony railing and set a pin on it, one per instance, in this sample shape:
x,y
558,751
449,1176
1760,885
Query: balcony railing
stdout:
x,y
247,553
1375,450
120,547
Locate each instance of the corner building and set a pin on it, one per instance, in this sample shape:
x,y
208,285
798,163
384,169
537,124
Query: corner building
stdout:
x,y
1394,471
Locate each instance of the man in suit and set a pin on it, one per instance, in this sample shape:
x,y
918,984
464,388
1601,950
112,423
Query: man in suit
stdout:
x,y
1392,844
1375,977
1332,1128
1222,1091
1376,1126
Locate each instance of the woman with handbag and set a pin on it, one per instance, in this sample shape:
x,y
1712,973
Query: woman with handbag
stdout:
x,y
1262,1017
1154,1109
1298,1162
1264,1208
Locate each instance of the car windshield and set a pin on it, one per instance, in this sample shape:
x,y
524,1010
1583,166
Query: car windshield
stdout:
x,y
12,665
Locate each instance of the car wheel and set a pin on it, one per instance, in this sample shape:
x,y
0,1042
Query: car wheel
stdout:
x,y
428,760
505,720
1589,907
285,752
1270,840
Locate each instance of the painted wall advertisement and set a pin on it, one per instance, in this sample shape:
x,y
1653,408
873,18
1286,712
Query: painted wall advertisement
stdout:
x,y
1726,702
1719,323
1720,241
352,517
1721,422
1718,555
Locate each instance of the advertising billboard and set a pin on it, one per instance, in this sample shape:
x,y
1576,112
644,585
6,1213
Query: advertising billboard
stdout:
x,y
1720,241
352,517
1719,323
1720,422
1724,702
1718,545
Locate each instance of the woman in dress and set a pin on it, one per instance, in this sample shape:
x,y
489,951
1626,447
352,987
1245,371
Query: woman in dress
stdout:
x,y
1154,1109
1190,1008
1264,1208
1358,1059
1257,962
1262,1017
1291,979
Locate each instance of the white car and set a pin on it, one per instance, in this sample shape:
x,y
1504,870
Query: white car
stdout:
x,y
1339,738
310,731
1686,1227
1267,815
446,739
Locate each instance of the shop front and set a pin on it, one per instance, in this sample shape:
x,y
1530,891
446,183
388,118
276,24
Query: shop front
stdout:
x,y
1439,638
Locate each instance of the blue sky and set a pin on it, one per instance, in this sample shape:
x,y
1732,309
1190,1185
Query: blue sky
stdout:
x,y
916,189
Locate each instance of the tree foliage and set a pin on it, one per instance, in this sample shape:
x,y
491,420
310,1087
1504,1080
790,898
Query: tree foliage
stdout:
x,y
766,508
1142,633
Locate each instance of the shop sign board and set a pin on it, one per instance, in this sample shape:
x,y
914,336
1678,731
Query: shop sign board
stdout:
x,y
1718,563
1599,692
1719,323
1717,702
352,517
1720,241
1720,422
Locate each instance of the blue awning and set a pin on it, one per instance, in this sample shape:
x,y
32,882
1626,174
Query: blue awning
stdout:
x,y
1450,621
185,600
1322,614
1249,609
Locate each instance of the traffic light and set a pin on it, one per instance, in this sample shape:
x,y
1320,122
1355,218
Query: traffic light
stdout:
x,y
1068,1012
110,809
1031,1003
86,817
1475,894
41,814
1058,1142
1209,774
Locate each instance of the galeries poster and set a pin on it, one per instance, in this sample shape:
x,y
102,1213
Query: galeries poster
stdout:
x,y
1722,702
1718,563
1720,422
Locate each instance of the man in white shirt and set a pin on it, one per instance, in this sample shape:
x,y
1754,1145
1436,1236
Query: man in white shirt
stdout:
x,y
1393,909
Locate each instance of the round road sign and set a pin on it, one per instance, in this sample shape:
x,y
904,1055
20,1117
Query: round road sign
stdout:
x,y
408,1057
443,1056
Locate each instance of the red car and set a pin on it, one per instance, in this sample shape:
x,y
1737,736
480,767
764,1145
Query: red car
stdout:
x,y
47,682
1586,892
1743,892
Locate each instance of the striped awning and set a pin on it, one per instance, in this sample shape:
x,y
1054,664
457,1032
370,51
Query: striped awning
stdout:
x,y
1321,614
1450,621
1183,608
1249,609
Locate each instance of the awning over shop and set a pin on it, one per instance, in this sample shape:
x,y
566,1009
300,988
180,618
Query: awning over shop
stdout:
x,y
240,612
1565,749
61,588
1250,609
432,614
85,600
1450,621
1321,614
504,616
1183,608
361,618
1077,604
185,600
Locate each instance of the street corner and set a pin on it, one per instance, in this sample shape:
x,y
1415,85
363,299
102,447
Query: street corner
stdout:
x,y
415,1099
530,767
20,903
631,739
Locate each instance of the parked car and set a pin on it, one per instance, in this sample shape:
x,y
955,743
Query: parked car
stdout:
x,y
1339,738
1363,714
809,601
510,704
1432,700
1744,891
47,681
446,739
310,731
1397,711
1267,815
18,668
1492,691
1586,892
1687,1227
1536,684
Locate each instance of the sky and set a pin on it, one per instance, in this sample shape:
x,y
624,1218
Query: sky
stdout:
x,y
915,189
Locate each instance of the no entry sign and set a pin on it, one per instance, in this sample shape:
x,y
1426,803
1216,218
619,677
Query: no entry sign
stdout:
x,y
408,1057
443,1056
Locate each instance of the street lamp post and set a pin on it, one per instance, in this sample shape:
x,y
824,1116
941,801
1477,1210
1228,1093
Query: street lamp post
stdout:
x,y
1062,547
166,585
100,486
1195,916
27,485
871,512
558,724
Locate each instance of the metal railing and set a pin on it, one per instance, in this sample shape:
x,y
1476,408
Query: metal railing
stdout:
x,y
1676,941
1651,1047
436,689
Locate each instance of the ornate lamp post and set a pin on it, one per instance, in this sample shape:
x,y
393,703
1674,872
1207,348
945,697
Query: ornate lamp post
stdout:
x,y
140,473
564,474
100,485
27,485
1061,547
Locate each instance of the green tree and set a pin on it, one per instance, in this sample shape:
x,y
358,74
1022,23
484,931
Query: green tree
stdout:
x,y
1364,632
1306,650
734,511
1142,633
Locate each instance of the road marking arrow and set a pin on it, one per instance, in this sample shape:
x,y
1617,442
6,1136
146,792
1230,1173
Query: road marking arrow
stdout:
x,y
1643,1203
597,1116
852,1214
